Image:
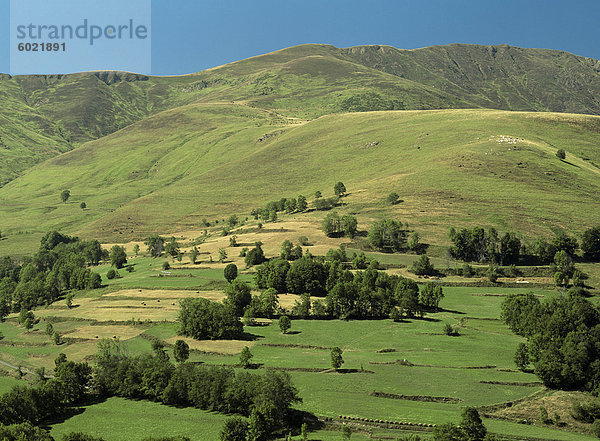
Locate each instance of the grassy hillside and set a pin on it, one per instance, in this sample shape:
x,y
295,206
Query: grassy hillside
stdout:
x,y
450,167
50,114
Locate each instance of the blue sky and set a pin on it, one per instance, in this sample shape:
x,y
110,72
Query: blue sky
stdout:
x,y
191,35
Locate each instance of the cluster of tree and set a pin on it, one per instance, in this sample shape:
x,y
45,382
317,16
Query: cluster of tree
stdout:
x,y
202,319
59,265
484,246
289,252
255,256
266,399
288,205
471,428
335,225
387,235
24,404
156,245
563,338
362,294
590,243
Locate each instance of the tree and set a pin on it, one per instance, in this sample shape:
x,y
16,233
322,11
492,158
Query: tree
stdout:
x,y
522,356
336,358
331,224
472,425
181,351
284,323
230,272
255,256
318,194
118,256
430,295
222,255
301,204
245,357
346,432
423,266
65,195
136,249
590,243
238,296
172,247
83,205
560,154
155,244
448,432
202,319
564,263
339,189
392,198
348,224
234,429
69,300
286,250
194,255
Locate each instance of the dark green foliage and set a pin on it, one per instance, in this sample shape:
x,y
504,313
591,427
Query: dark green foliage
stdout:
x,y
118,256
336,358
544,415
301,203
449,330
387,235
392,198
238,296
323,204
563,338
590,244
302,308
306,275
284,323
83,205
430,295
202,319
289,252
153,377
560,154
230,272
246,357
234,429
255,256
156,245
166,266
181,351
266,305
23,432
334,226
586,412
111,274
472,425
339,189
423,267
522,356
273,274
481,246
596,428
172,247
563,242
359,261
65,195
492,273
448,432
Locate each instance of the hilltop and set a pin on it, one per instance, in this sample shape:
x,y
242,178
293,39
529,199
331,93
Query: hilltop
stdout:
x,y
48,115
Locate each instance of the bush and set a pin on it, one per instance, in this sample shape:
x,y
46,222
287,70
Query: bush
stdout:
x,y
166,266
449,330
303,241
596,428
560,154
111,274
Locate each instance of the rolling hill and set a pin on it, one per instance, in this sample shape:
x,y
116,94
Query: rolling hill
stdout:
x,y
450,167
47,115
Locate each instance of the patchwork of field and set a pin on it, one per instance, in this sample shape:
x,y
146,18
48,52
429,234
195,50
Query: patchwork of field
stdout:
x,y
406,371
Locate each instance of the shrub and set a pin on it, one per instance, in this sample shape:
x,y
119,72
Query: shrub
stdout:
x,y
166,266
560,154
111,274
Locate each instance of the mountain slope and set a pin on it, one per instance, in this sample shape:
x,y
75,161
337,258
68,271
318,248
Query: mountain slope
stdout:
x,y
451,167
47,115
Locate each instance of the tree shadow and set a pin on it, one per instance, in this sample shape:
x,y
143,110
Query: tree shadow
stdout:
x,y
293,332
247,336
570,163
451,311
